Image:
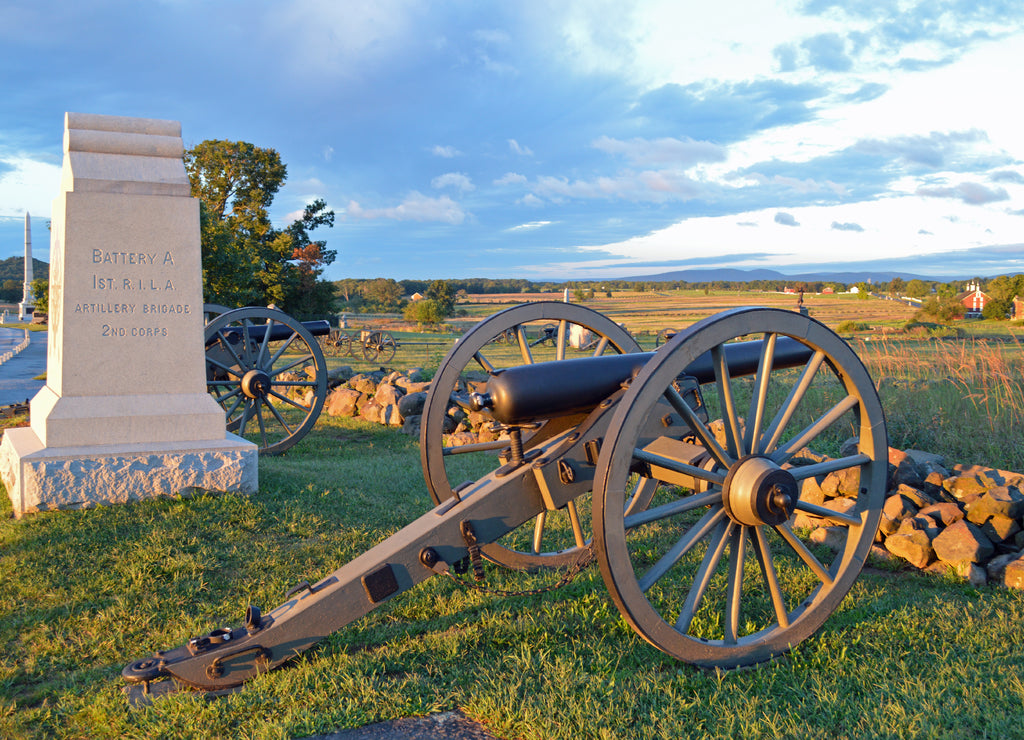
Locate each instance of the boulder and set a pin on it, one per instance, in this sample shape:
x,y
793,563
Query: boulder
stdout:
x,y
844,482
918,497
371,411
342,402
388,394
963,485
411,404
962,542
1003,500
914,547
999,528
943,513
1013,575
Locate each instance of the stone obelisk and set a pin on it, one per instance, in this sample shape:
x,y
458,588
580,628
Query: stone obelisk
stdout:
x,y
124,414
25,308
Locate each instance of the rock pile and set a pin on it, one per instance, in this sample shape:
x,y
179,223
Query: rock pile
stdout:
x,y
968,519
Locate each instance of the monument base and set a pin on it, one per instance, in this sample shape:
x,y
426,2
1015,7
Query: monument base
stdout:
x,y
39,478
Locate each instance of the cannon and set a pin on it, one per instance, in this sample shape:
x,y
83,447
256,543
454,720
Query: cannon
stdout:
x,y
690,474
267,372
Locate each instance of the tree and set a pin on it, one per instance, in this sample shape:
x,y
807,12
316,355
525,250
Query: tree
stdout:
x,y
41,295
442,292
383,294
896,286
917,288
428,311
245,260
1001,291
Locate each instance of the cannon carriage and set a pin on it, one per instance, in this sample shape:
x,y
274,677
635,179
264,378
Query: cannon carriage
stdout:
x,y
690,474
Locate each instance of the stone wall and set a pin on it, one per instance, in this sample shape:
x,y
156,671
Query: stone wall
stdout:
x,y
962,519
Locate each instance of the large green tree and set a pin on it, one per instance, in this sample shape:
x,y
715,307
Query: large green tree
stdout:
x,y
246,261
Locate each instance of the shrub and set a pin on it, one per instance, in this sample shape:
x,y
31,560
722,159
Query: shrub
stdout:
x,y
850,326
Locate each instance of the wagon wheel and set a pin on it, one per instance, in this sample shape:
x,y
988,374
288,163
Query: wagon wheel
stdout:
x,y
667,569
663,336
551,539
212,311
387,347
257,361
344,343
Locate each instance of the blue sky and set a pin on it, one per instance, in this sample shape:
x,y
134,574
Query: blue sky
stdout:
x,y
563,140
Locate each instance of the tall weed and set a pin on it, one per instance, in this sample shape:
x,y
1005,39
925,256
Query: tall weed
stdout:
x,y
960,398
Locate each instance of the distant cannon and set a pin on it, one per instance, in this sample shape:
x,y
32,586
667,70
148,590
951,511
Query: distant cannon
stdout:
x,y
267,372
685,473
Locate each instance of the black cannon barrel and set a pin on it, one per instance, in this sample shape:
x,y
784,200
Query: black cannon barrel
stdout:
x,y
278,332
548,389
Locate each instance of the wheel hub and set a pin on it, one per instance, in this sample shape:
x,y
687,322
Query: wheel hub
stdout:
x,y
757,491
256,384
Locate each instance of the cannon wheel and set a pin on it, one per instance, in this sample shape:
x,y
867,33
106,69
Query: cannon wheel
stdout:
x,y
344,343
667,569
663,336
549,542
379,346
248,378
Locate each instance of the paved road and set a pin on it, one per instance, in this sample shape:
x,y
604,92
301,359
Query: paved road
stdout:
x,y
16,375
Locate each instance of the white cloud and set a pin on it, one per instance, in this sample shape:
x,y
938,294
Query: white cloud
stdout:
x,y
663,152
519,149
530,200
29,185
511,178
530,226
456,180
889,228
415,207
328,153
447,152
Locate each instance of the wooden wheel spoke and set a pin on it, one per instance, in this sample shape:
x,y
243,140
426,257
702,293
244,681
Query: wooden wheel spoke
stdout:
x,y
837,516
811,432
706,437
226,368
690,538
600,347
290,365
771,578
280,419
483,362
759,397
701,579
734,590
524,345
283,348
804,554
574,522
560,340
290,401
672,508
223,340
733,436
538,531
803,472
708,476
789,406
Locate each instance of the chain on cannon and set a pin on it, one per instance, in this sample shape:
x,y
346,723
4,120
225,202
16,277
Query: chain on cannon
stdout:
x,y
681,471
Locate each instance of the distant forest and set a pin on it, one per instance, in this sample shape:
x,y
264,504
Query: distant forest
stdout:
x,y
12,277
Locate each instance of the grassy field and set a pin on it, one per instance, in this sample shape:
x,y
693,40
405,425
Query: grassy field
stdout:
x,y
83,593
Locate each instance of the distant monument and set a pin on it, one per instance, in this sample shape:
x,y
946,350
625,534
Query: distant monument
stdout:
x,y
124,414
26,307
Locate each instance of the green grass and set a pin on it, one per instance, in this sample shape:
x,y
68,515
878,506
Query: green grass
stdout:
x,y
82,593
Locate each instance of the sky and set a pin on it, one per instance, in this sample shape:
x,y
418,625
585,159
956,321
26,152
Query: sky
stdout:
x,y
563,139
